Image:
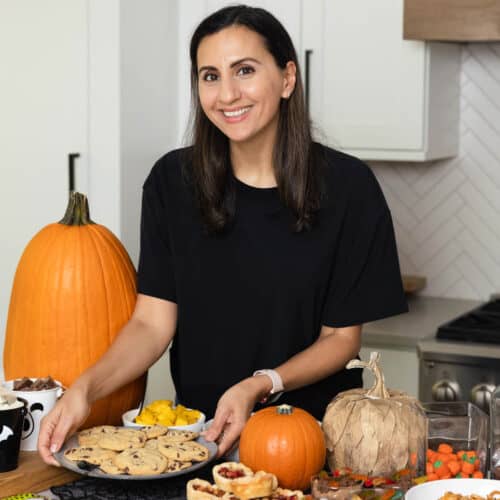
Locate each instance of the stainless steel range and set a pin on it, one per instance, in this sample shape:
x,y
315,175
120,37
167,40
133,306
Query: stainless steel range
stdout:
x,y
463,362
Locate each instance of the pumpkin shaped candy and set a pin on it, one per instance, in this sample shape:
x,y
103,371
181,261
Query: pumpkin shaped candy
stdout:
x,y
376,432
74,288
285,441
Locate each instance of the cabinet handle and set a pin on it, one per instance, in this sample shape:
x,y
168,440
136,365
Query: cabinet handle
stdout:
x,y
71,170
306,76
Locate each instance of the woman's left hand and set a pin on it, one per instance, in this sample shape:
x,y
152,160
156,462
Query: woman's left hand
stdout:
x,y
233,410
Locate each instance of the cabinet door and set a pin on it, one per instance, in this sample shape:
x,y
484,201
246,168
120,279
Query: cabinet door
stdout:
x,y
43,102
372,92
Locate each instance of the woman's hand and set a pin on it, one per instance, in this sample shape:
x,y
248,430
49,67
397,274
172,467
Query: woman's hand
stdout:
x,y
234,409
62,421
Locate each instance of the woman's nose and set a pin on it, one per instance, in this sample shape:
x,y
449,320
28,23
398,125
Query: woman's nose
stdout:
x,y
229,90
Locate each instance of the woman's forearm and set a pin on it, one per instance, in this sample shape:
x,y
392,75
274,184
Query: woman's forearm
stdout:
x,y
333,349
139,344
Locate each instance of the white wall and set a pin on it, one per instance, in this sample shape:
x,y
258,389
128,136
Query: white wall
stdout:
x,y
447,213
135,95
43,118
127,67
148,100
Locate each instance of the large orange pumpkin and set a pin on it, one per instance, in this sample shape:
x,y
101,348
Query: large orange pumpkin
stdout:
x,y
286,441
74,288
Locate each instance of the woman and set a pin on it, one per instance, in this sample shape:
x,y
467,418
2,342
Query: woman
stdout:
x,y
259,248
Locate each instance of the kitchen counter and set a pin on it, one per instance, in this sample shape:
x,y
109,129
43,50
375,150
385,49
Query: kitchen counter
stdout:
x,y
424,316
33,476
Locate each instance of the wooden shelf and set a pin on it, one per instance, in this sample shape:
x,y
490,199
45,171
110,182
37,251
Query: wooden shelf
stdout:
x,y
413,284
452,20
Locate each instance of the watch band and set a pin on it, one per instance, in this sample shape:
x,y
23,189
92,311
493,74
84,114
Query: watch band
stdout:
x,y
277,388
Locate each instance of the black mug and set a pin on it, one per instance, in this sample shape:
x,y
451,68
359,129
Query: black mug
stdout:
x,y
11,428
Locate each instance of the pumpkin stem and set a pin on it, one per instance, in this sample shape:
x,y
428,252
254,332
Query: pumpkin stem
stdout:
x,y
378,390
284,410
77,212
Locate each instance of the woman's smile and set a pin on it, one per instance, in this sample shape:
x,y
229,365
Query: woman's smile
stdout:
x,y
236,115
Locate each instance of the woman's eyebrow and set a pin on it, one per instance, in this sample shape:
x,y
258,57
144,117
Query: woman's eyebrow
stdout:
x,y
235,63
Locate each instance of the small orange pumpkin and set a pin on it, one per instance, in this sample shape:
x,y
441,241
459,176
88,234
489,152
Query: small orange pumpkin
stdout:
x,y
74,288
286,441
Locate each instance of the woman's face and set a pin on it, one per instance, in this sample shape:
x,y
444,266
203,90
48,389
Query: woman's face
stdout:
x,y
240,85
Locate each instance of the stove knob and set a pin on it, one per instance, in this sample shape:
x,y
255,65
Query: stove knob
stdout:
x,y
481,396
446,390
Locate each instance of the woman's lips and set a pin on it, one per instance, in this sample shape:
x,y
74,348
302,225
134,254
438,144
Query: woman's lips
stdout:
x,y
235,115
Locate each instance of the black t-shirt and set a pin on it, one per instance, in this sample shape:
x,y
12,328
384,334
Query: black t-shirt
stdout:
x,y
257,295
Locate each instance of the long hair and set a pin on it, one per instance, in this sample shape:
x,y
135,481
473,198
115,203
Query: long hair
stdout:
x,y
296,160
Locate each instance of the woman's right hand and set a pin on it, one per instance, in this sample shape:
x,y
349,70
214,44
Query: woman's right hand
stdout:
x,y
147,334
61,422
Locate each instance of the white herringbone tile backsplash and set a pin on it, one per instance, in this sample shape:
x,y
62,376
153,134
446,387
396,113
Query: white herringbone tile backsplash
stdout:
x,y
447,213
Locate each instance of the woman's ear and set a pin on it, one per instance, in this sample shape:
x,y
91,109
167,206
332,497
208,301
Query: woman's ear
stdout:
x,y
289,79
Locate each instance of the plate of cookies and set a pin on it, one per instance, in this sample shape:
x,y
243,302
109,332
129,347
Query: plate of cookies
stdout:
x,y
154,452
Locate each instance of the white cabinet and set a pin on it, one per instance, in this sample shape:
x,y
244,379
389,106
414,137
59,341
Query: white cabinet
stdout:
x,y
399,365
373,94
86,77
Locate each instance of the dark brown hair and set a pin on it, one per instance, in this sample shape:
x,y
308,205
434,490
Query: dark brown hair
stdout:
x,y
296,159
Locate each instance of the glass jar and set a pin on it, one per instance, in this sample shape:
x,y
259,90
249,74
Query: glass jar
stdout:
x,y
495,434
460,424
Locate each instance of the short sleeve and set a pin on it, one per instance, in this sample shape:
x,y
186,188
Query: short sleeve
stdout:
x,y
155,272
365,284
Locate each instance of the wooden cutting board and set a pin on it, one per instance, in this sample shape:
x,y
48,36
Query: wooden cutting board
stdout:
x,y
33,475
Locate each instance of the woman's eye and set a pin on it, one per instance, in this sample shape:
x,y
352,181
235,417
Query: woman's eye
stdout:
x,y
209,77
245,70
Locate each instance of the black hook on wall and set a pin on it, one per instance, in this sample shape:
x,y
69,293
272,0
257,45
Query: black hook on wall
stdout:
x,y
308,54
71,170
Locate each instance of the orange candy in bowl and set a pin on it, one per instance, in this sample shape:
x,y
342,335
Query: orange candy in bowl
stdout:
x,y
163,412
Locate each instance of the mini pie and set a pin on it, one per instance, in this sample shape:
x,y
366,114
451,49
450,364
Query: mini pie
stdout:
x,y
198,489
240,480
284,494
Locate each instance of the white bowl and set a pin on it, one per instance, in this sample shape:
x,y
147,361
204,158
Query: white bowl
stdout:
x,y
435,489
129,416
